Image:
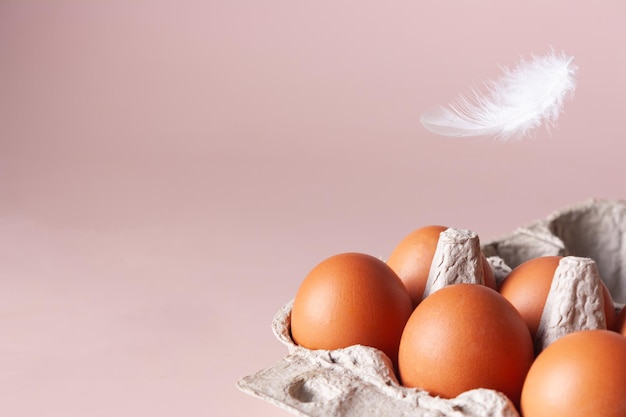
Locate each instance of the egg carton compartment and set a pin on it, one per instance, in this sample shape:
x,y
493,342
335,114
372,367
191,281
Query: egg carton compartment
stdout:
x,y
357,381
593,229
360,381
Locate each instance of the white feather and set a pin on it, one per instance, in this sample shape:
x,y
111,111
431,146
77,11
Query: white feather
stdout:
x,y
519,101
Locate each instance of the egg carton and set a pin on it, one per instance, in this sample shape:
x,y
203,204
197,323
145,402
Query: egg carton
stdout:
x,y
359,381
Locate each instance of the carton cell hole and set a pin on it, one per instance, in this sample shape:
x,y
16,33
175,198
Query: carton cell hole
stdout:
x,y
601,236
314,388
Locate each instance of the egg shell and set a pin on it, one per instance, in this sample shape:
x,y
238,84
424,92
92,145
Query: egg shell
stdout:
x,y
527,288
349,299
463,337
582,374
412,257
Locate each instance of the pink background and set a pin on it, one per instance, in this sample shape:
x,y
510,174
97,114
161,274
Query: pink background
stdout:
x,y
171,170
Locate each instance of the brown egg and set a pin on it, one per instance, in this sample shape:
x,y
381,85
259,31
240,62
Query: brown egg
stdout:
x,y
462,337
527,287
350,299
581,374
412,257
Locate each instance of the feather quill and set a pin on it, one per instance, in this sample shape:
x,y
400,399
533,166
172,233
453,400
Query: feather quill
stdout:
x,y
521,100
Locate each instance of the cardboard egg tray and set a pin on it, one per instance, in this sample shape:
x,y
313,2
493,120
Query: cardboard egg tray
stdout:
x,y
359,381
